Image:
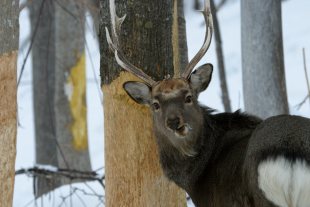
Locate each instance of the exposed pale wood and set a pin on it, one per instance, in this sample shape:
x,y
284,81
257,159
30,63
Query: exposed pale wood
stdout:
x,y
132,169
263,74
9,40
8,126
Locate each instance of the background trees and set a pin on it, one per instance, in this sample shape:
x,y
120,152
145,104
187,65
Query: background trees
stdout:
x,y
43,77
263,73
70,86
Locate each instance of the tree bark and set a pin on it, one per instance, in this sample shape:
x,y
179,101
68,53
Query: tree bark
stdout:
x,y
70,91
182,41
43,77
264,84
132,172
9,40
220,59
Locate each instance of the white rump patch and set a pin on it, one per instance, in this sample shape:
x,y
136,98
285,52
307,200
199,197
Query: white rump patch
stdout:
x,y
285,183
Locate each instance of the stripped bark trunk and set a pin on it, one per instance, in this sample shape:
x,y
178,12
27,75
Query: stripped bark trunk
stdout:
x,y
264,86
132,172
70,91
9,39
43,76
220,59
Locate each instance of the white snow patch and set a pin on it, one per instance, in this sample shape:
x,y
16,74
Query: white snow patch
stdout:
x,y
68,87
46,167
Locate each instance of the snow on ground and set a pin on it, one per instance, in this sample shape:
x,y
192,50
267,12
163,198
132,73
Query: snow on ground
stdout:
x,y
296,33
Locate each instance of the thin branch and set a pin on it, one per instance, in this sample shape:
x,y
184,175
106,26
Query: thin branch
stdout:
x,y
220,59
73,191
220,5
73,15
32,40
88,5
304,54
300,104
25,5
71,174
79,198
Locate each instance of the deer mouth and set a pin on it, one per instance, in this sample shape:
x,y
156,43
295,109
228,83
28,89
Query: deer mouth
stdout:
x,y
182,131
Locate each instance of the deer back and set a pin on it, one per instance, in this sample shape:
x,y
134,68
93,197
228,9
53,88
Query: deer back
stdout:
x,y
277,162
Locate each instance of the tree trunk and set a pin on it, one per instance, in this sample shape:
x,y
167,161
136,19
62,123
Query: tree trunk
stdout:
x,y
132,172
70,91
43,76
220,59
9,39
264,85
180,33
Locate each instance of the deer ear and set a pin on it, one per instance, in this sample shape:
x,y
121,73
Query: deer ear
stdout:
x,y
200,78
139,92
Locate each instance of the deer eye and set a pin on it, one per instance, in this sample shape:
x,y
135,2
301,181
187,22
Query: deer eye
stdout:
x,y
188,99
156,106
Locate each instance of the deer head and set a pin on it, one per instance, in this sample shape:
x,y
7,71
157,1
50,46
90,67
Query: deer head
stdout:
x,y
177,117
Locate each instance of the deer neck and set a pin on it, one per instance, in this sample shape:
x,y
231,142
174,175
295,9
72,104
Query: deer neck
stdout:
x,y
218,135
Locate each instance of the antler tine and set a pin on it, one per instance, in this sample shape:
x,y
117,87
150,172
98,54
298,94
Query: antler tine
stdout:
x,y
115,46
209,30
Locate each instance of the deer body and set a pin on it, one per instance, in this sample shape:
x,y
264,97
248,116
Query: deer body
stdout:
x,y
226,159
213,177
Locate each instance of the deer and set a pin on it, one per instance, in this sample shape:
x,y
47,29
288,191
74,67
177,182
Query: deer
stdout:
x,y
220,159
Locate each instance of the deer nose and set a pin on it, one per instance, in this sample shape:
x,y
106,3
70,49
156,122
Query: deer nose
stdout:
x,y
173,123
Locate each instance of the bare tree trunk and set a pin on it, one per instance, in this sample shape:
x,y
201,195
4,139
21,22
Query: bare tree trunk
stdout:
x,y
220,59
132,170
43,76
9,39
70,91
264,85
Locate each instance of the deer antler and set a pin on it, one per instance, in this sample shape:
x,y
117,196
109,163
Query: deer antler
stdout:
x,y
115,46
209,30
